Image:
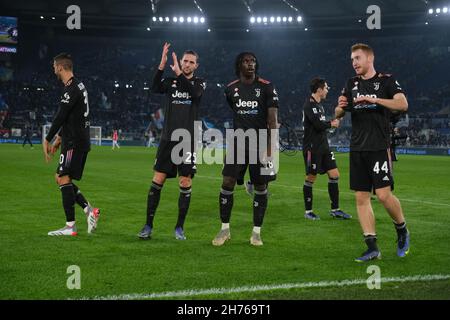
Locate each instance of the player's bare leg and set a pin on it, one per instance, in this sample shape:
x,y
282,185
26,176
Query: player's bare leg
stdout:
x,y
226,205
391,203
183,205
365,212
367,222
394,209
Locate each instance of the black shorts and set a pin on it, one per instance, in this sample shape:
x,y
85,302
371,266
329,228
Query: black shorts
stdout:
x,y
318,163
370,170
164,163
259,174
71,163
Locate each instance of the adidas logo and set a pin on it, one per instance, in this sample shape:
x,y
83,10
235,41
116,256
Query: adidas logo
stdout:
x,y
236,94
256,204
386,178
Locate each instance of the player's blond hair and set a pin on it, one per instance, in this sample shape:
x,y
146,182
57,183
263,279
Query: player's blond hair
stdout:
x,y
364,47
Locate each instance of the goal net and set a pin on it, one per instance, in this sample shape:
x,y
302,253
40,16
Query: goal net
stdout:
x,y
95,134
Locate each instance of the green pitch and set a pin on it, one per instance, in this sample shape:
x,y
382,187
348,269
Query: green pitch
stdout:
x,y
114,262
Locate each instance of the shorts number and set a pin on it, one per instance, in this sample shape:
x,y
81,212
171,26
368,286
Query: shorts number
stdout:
x,y
61,159
384,167
192,156
332,156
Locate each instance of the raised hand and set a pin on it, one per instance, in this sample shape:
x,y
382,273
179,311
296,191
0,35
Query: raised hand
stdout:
x,y
175,66
164,54
342,102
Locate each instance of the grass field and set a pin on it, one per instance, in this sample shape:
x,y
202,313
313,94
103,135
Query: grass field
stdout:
x,y
114,262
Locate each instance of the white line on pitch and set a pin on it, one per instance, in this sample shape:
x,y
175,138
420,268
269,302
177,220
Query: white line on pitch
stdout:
x,y
286,286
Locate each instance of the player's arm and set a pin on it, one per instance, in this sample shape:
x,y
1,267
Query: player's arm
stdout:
x,y
397,103
55,146
159,85
339,111
344,102
195,90
68,101
272,124
313,115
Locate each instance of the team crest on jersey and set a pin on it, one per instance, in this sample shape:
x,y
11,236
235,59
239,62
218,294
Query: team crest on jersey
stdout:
x,y
376,86
356,86
258,92
236,93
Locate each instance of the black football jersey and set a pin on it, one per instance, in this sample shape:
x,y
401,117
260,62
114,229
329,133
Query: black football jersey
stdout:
x,y
250,102
370,122
72,118
181,103
315,127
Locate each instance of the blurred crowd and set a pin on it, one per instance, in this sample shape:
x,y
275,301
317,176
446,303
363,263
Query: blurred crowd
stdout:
x,y
118,78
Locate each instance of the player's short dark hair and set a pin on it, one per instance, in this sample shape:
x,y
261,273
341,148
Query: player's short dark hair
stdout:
x,y
192,52
364,47
238,62
65,60
316,84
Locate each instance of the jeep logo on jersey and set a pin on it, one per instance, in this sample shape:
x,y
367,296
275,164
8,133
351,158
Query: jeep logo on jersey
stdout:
x,y
247,104
181,95
366,95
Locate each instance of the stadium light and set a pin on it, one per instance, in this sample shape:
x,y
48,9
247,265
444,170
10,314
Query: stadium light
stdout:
x,y
42,17
148,29
290,19
195,19
252,20
438,10
160,19
265,19
284,19
181,19
430,11
445,10
258,20
202,20
189,19
167,19
272,19
247,30
209,30
154,19
299,19
278,19
175,19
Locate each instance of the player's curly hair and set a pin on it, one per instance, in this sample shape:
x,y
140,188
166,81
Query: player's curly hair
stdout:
x,y
238,62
